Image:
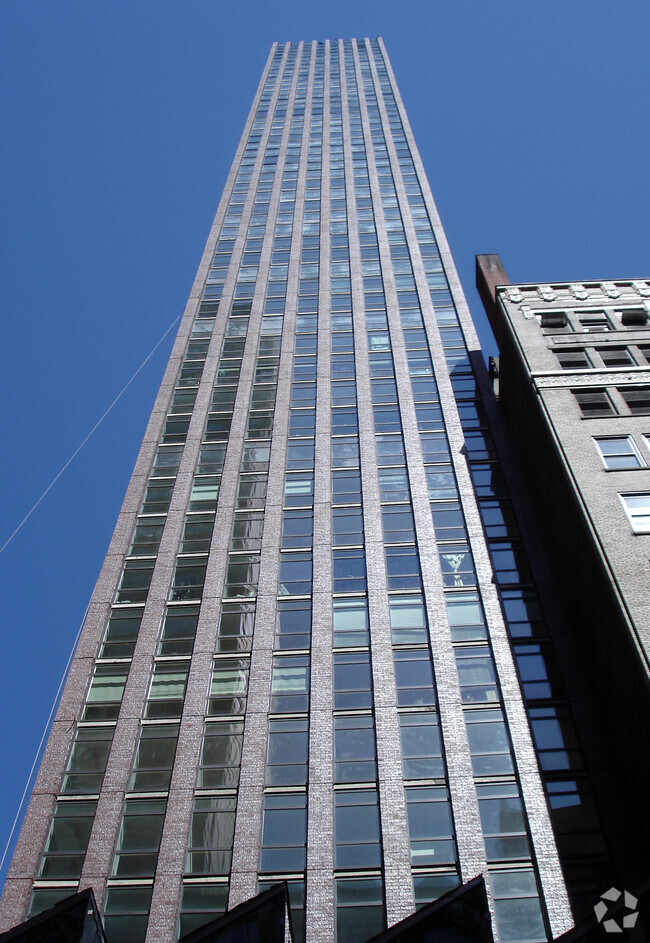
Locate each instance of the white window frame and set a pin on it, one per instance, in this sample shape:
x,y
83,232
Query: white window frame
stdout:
x,y
639,517
633,450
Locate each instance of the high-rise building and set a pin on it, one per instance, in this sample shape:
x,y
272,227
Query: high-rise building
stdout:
x,y
317,651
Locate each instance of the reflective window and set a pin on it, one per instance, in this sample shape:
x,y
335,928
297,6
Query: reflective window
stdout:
x,y
290,683
154,758
68,840
618,452
352,681
354,749
421,745
357,829
430,825
211,835
287,753
236,627
220,755
139,839
359,909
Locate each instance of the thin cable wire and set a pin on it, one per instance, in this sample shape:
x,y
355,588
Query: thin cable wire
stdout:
x,y
97,424
42,741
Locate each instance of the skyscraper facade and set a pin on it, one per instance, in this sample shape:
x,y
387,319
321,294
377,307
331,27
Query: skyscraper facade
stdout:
x,y
315,652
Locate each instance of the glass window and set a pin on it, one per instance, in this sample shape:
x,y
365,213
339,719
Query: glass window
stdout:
x,y
187,582
476,674
136,578
516,905
429,887
349,571
179,630
345,452
618,452
502,818
489,744
350,622
197,533
297,529
354,749
167,689
139,839
255,458
252,491
236,627
345,421
284,833
167,461
220,755
105,695
211,460
302,422
407,620
352,681
126,913
448,521
121,633
154,759
414,677
229,686
205,492
359,909
357,829
247,531
394,485
347,526
555,738
637,508
421,745
466,619
299,490
290,684
293,623
387,419
441,482
498,518
200,904
211,835
430,825
390,450
403,568
300,454
457,565
242,575
146,539
435,448
398,524
287,753
346,487
88,759
295,574
68,840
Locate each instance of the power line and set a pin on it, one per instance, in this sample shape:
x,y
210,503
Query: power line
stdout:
x,y
96,426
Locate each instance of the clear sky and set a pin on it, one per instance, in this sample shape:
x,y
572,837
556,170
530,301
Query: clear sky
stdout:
x,y
119,122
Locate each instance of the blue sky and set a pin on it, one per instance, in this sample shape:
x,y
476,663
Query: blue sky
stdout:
x,y
120,120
